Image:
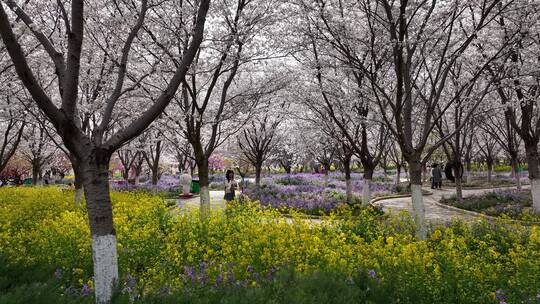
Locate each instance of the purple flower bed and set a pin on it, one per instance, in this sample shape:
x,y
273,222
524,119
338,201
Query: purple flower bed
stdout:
x,y
310,193
515,204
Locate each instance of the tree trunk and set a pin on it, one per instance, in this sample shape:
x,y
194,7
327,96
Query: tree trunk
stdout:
x,y
534,175
98,204
458,180
155,175
287,169
202,164
515,173
490,170
415,169
258,169
125,175
78,183
348,184
398,174
366,187
36,168
459,189
468,172
326,169
424,173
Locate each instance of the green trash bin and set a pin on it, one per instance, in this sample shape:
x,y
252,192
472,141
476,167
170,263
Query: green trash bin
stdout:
x,y
27,181
195,186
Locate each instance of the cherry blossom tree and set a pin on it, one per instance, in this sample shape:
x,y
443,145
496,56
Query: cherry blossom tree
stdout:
x,y
128,157
497,125
227,81
37,149
87,29
154,145
517,81
258,140
457,119
489,150
12,125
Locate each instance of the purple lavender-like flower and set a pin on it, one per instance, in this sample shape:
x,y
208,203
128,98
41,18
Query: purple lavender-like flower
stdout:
x,y
219,279
58,273
190,272
372,274
86,290
500,296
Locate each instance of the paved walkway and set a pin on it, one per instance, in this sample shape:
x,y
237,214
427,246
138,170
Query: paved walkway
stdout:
x,y
216,201
434,212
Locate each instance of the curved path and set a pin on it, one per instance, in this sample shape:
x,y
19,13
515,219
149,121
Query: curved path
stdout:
x,y
434,212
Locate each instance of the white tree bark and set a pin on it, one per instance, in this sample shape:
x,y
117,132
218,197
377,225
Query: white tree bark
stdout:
x,y
418,211
517,176
468,176
79,192
105,266
366,192
348,191
535,191
205,200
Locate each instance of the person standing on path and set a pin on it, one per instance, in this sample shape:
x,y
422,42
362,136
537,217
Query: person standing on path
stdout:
x,y
230,186
436,177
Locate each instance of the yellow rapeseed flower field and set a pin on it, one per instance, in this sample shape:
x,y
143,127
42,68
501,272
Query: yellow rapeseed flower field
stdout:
x,y
163,248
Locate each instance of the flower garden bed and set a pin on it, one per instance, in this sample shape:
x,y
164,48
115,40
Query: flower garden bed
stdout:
x,y
313,194
506,204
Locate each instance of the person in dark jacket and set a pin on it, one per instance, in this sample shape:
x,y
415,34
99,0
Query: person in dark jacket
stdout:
x,y
436,177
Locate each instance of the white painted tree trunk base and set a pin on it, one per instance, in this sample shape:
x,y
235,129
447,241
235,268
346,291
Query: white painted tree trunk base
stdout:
x,y
535,191
205,200
366,192
468,177
105,266
79,197
418,211
348,190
